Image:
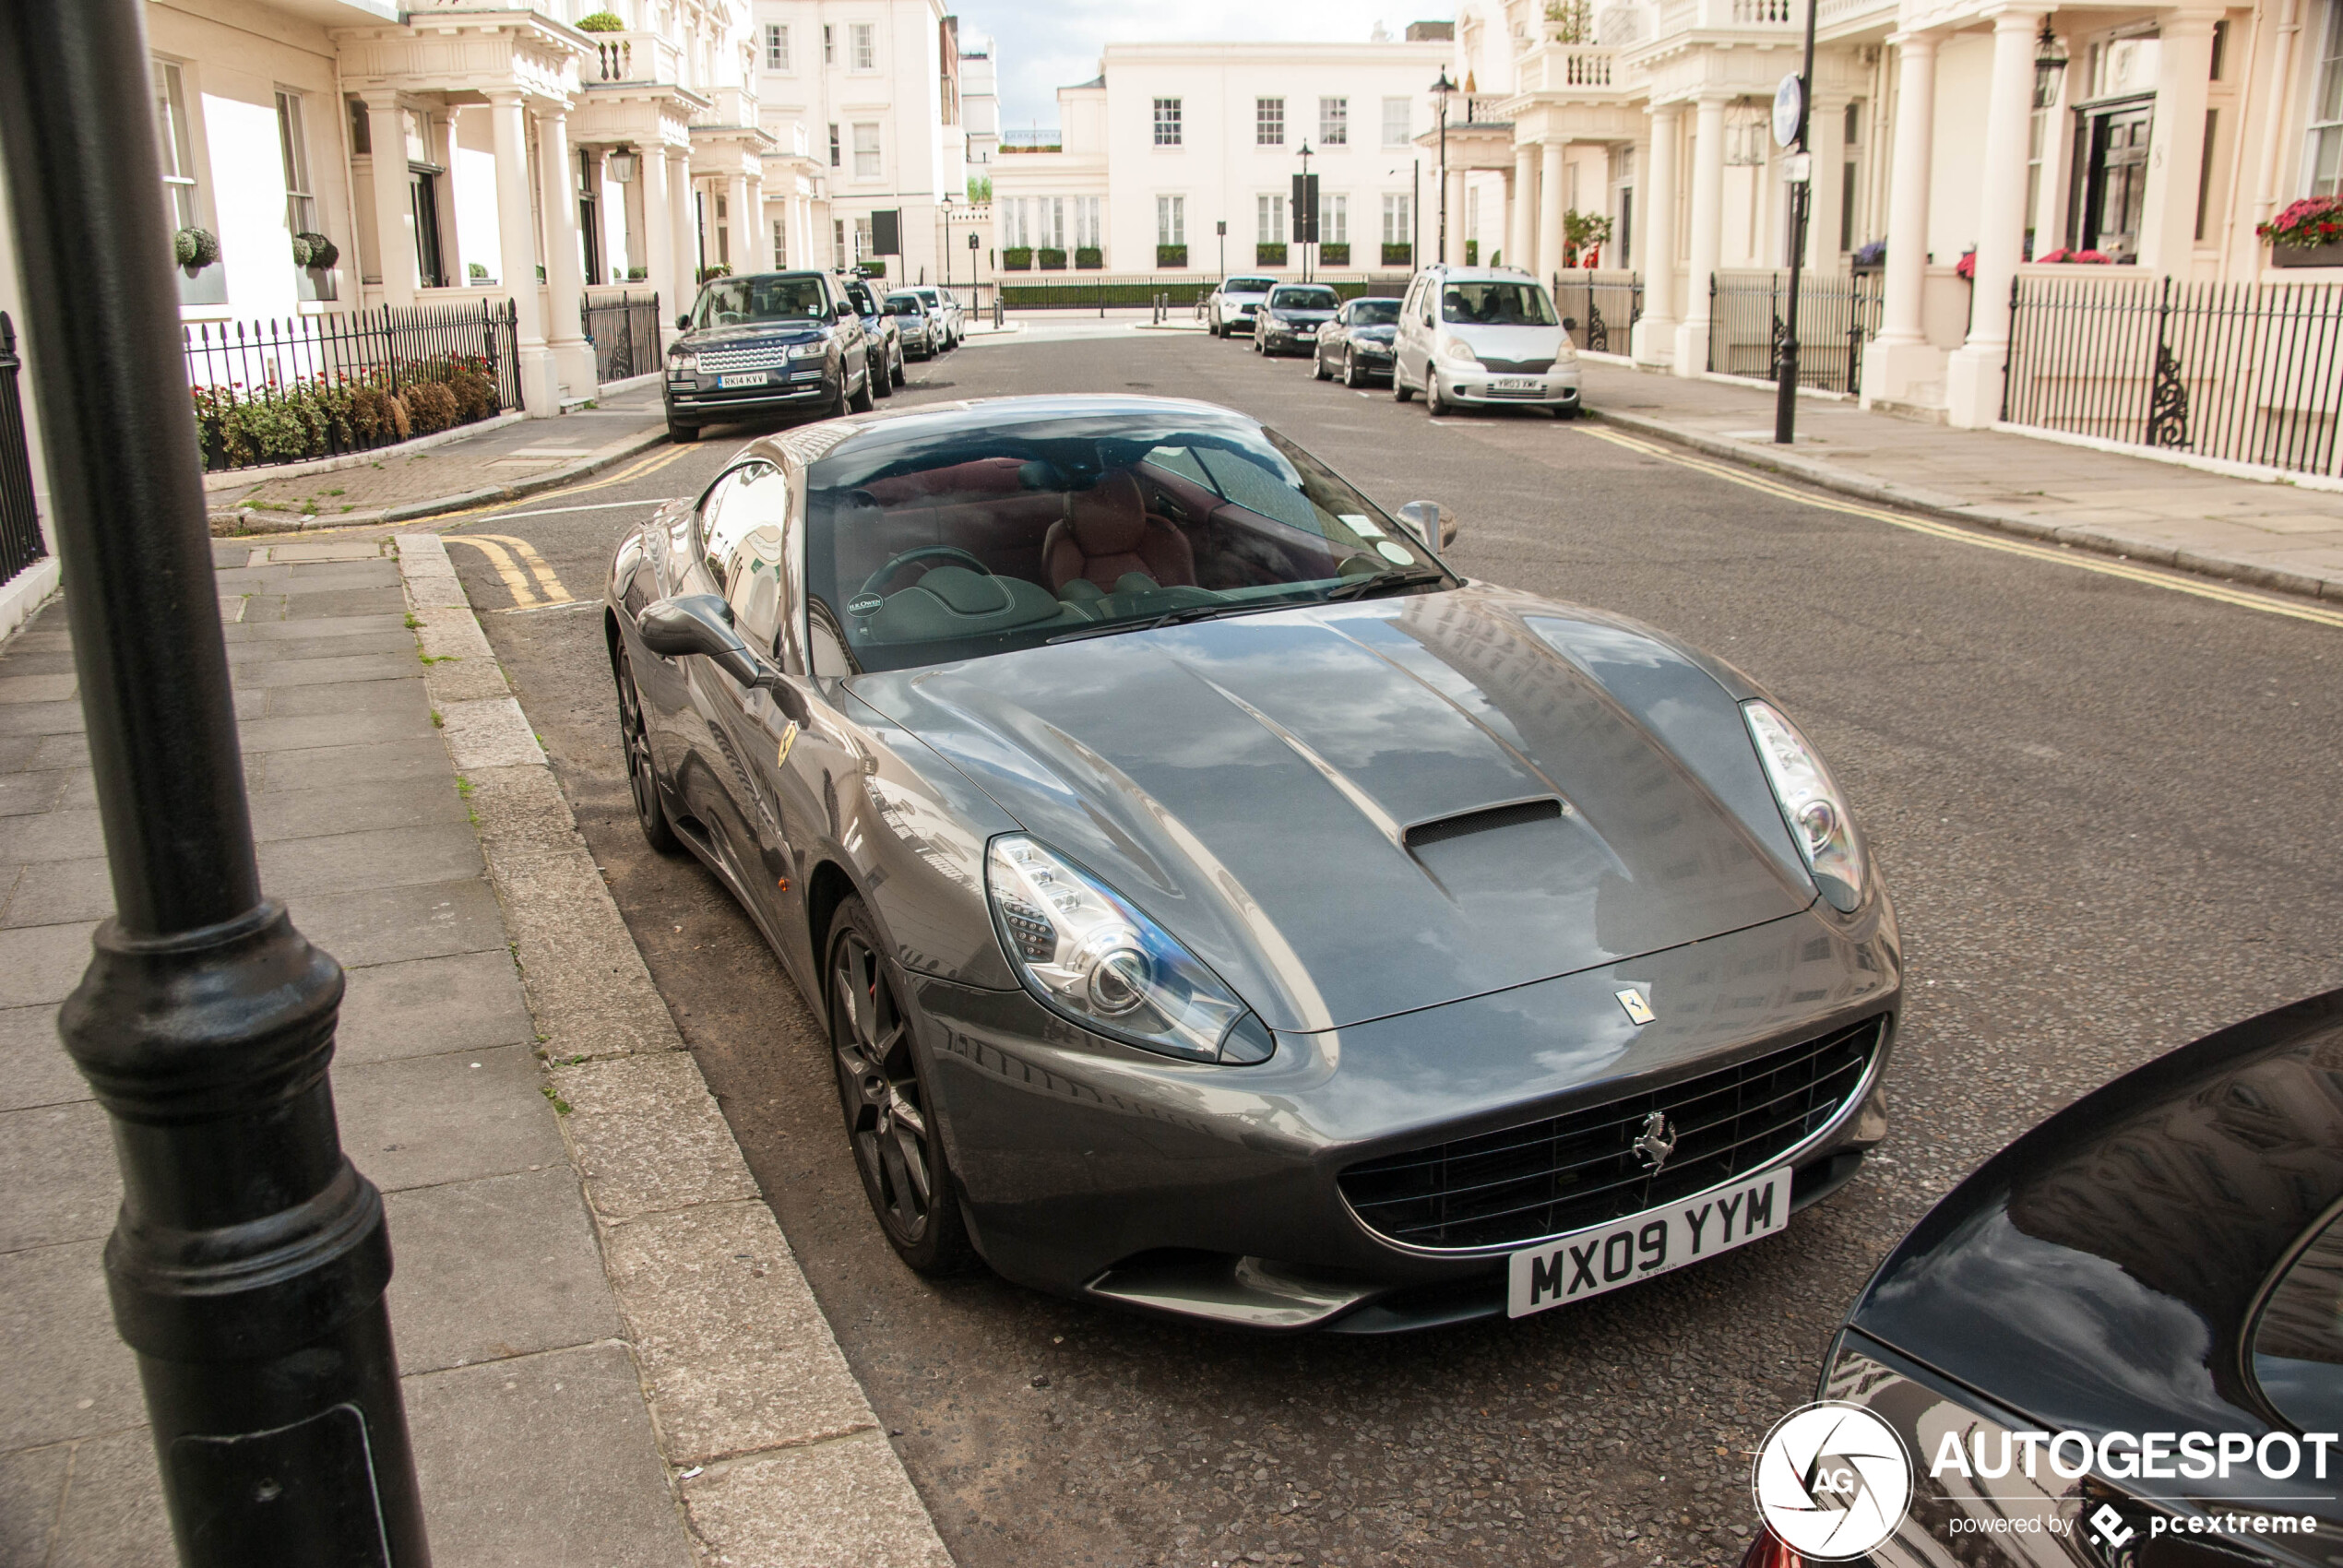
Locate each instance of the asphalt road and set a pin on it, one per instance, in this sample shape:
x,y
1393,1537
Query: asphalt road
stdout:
x,y
2107,811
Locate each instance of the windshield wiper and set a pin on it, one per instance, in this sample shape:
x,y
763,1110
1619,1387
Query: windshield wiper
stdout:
x,y
1169,618
1392,581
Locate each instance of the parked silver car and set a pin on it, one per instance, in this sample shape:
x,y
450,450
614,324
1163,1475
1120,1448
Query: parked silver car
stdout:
x,y
950,322
1484,335
923,334
1233,304
1218,907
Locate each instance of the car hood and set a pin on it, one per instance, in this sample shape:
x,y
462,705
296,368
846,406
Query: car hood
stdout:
x,y
1511,342
749,332
1284,315
1383,334
1263,785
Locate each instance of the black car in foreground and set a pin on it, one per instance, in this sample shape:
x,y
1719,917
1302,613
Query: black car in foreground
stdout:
x,y
1357,344
2120,1342
763,344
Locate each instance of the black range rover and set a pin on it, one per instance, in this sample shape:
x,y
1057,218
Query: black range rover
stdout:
x,y
762,344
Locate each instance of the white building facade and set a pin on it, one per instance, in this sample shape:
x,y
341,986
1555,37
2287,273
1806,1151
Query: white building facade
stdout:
x,y
1173,140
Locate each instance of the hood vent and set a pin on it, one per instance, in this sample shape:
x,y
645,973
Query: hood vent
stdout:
x,y
1439,830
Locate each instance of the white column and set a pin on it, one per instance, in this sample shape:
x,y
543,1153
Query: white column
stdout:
x,y
1827,139
1973,376
1521,235
1900,365
1456,219
1707,233
1653,341
565,258
684,231
394,211
1554,192
2176,146
735,254
517,257
659,238
760,234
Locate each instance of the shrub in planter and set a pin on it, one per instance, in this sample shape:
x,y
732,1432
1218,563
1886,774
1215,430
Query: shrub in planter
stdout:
x,y
195,249
1337,253
1170,256
637,274
323,252
2062,253
476,272
370,415
706,274
874,267
1051,260
603,21
431,408
1400,254
1090,257
1472,253
1269,254
1017,258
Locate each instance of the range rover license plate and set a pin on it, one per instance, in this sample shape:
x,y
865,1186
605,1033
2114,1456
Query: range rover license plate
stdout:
x,y
1604,1257
746,378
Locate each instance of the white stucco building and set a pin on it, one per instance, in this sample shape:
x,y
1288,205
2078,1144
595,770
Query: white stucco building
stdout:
x,y
1174,140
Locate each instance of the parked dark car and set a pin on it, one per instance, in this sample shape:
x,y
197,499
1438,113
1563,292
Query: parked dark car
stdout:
x,y
881,339
2159,1266
922,335
1219,907
1356,345
1290,320
766,343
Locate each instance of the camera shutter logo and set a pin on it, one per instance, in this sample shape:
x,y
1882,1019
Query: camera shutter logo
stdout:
x,y
1832,1482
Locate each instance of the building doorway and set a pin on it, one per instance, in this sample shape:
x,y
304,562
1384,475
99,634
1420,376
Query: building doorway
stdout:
x,y
2111,167
422,197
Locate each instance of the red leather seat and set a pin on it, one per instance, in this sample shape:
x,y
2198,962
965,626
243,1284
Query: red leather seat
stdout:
x,y
1107,534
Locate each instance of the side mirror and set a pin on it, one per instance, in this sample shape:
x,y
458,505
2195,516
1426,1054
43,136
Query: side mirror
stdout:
x,y
1570,324
845,309
702,623
1432,523
684,321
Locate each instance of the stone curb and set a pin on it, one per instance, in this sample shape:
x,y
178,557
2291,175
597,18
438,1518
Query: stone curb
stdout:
x,y
2096,538
770,1441
248,521
230,478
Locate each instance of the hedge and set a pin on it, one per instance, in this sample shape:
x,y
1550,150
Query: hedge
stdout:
x,y
240,427
1017,258
1268,255
1089,257
1052,259
1335,255
1400,254
1170,256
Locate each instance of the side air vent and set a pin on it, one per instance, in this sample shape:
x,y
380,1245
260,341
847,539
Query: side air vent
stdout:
x,y
1486,820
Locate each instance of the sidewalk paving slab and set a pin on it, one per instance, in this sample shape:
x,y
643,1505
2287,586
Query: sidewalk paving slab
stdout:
x,y
2269,534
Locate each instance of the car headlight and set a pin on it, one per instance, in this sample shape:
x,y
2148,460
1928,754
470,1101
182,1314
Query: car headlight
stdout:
x,y
813,351
1454,349
1817,814
683,363
1092,956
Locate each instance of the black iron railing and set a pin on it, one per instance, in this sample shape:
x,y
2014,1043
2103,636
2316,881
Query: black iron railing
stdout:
x,y
20,540
283,391
2252,372
1836,315
624,328
1604,304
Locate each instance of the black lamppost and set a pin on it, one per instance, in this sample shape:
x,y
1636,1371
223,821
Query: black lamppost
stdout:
x,y
1801,208
1305,223
1441,89
248,1261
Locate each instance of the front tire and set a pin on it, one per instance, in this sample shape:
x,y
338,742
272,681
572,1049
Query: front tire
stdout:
x,y
1400,390
881,383
859,402
890,1117
1318,370
642,773
1434,403
682,434
1351,376
898,375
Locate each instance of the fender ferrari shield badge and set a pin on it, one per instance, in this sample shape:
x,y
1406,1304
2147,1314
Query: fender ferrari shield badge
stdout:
x,y
1638,1011
789,739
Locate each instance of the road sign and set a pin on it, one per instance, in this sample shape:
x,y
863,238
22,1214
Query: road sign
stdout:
x,y
1305,209
1790,108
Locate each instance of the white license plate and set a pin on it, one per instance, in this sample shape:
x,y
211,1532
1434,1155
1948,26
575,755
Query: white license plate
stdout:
x,y
1516,384
1604,1257
748,378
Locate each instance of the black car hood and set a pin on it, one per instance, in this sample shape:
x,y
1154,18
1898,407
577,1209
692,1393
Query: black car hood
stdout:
x,y
1260,785
2099,1272
748,332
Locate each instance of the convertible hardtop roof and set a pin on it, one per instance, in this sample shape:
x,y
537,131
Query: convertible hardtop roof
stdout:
x,y
968,414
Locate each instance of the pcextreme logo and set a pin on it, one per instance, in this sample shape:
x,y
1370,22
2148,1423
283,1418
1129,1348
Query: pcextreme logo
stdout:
x,y
1832,1482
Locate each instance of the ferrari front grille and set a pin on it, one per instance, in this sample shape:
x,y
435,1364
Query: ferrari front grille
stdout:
x,y
1545,1179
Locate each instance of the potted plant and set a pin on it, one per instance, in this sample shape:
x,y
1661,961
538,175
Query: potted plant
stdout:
x,y
1170,256
1582,231
1089,257
1335,252
195,249
708,274
1399,255
603,21
1269,253
1472,253
2309,234
1017,258
477,272
1052,259
1869,258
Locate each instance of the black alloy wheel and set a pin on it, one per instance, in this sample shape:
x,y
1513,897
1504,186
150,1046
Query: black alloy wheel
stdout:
x,y
861,402
897,375
890,1118
642,778
682,434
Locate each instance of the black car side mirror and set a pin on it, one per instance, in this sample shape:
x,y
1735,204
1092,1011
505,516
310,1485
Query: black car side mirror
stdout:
x,y
1570,324
702,623
684,321
845,309
1429,521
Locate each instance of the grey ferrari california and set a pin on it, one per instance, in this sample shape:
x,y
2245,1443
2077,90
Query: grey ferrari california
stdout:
x,y
1216,905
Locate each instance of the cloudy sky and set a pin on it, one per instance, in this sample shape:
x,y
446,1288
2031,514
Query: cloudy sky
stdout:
x,y
1045,44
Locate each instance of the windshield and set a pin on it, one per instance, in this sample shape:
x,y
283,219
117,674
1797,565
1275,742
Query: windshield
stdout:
x,y
732,301
1248,285
1374,313
906,305
1497,304
865,304
1304,299
2297,1337
926,545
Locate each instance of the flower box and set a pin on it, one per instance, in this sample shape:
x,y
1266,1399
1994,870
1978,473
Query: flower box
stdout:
x,y
2307,233
2328,255
1170,256
1052,259
1017,258
1268,255
1335,255
1398,255
1089,258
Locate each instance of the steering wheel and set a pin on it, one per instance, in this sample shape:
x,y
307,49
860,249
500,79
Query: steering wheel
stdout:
x,y
925,552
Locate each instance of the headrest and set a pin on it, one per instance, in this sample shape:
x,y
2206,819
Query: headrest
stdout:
x,y
1109,519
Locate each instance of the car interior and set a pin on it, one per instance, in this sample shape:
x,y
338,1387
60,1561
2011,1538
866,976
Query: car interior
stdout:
x,y
1059,534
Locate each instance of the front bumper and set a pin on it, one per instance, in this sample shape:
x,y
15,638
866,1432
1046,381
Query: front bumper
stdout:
x,y
1557,389
791,387
1213,1191
1274,335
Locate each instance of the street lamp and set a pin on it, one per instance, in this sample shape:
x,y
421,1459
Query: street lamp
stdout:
x,y
2049,63
1441,89
1793,102
248,1259
1220,229
1305,226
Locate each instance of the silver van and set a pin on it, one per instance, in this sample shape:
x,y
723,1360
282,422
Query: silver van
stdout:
x,y
1484,335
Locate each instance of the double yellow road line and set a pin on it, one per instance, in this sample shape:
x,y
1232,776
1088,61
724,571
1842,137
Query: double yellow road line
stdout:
x,y
516,560
2081,561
